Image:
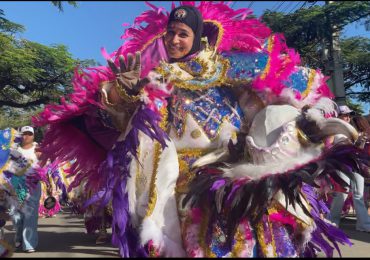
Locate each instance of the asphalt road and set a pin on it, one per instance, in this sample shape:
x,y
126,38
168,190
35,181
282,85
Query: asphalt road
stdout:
x,y
64,236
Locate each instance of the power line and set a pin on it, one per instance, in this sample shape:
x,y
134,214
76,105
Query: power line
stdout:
x,y
289,5
232,6
295,7
277,9
274,7
305,2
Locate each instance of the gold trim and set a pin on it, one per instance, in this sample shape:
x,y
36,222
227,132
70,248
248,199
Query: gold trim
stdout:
x,y
269,49
164,114
152,188
261,238
220,31
157,150
193,152
216,83
311,78
123,94
302,137
239,243
152,40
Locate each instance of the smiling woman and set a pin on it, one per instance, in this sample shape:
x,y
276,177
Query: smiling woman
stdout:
x,y
178,40
184,31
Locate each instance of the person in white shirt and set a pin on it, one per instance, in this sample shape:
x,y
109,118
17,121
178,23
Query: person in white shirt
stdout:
x,y
27,148
357,187
26,221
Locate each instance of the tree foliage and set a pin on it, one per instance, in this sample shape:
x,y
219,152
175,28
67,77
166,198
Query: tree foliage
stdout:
x,y
31,74
59,4
356,56
8,26
308,30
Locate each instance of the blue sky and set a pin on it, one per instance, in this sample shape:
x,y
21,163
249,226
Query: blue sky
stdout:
x,y
95,24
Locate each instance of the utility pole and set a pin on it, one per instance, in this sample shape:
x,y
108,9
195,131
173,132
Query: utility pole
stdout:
x,y
334,64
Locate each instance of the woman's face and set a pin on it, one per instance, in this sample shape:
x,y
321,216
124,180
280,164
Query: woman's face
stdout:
x,y
345,117
178,40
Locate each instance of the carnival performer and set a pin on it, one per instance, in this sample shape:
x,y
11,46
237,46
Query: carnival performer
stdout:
x,y
199,78
49,190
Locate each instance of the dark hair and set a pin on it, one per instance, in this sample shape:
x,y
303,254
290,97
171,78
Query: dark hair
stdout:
x,y
361,124
190,16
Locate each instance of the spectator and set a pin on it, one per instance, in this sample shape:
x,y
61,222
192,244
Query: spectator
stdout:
x,y
26,221
363,127
357,187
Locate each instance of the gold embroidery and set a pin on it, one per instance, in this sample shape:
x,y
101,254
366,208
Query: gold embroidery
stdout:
x,y
261,239
239,243
215,137
185,175
123,94
152,188
193,152
157,151
180,75
196,133
220,81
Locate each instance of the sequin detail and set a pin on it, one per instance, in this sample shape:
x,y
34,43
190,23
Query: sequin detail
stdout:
x,y
209,108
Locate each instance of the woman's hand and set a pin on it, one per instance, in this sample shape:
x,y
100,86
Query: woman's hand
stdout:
x,y
128,75
361,141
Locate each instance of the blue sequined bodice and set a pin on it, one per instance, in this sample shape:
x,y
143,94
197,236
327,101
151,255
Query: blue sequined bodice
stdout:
x,y
210,108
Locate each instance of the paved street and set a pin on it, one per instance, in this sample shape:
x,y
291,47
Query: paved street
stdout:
x,y
64,236
360,240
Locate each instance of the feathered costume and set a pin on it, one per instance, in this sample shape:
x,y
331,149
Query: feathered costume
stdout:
x,y
160,160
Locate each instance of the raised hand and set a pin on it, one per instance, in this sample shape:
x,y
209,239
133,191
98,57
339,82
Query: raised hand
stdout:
x,y
128,75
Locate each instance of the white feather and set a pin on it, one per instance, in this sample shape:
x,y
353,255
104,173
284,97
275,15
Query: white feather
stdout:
x,y
255,172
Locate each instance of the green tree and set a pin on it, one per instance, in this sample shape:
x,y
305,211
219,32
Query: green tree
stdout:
x,y
59,4
31,74
8,26
308,31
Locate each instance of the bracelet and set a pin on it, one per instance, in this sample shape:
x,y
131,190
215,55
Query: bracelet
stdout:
x,y
106,101
123,94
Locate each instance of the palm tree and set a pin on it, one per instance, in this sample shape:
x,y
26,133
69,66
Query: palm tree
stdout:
x,y
58,4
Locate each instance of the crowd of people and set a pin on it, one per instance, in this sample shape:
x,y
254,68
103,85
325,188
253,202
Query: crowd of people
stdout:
x,y
181,146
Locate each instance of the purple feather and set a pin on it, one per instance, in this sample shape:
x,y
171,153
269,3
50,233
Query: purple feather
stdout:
x,y
332,233
114,172
218,184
